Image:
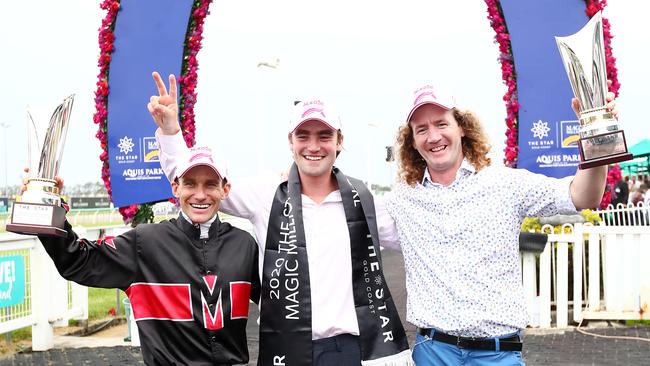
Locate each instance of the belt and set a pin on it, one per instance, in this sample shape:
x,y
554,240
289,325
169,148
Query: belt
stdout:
x,y
512,343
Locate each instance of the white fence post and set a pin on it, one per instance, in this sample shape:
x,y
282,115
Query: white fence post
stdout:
x,y
593,289
42,331
562,273
80,300
58,299
529,281
612,262
577,271
644,273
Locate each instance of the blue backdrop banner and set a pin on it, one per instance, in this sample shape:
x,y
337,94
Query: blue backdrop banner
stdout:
x,y
149,35
548,127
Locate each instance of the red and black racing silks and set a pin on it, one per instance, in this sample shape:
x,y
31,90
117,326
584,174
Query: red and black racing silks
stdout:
x,y
189,296
285,319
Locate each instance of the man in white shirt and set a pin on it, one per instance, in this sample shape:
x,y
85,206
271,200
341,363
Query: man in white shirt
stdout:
x,y
324,296
458,220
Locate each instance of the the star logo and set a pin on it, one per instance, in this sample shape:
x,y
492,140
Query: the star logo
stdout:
x,y
378,280
125,145
540,129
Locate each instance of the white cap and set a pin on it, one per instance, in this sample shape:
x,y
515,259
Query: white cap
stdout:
x,y
200,156
314,110
428,95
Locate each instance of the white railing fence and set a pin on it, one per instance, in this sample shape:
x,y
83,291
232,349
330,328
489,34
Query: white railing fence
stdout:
x,y
573,265
50,301
626,215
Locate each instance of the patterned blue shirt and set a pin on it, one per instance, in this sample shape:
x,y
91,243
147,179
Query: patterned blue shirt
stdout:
x,y
461,246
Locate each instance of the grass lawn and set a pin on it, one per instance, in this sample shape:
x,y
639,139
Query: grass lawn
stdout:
x,y
101,301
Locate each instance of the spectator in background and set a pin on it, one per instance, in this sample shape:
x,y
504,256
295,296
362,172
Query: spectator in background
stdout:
x,y
639,181
621,193
638,195
627,181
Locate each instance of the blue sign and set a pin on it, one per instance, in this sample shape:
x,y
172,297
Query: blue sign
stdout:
x,y
149,36
548,127
12,280
4,204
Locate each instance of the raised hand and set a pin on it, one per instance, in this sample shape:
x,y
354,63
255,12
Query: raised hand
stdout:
x,y
164,106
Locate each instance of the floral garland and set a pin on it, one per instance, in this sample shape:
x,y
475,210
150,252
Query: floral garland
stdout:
x,y
106,39
136,214
497,21
613,176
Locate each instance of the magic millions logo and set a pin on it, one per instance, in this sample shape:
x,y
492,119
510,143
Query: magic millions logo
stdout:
x,y
150,150
569,133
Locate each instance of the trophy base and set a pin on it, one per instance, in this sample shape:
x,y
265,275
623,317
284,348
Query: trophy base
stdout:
x,y
36,230
37,219
603,149
605,161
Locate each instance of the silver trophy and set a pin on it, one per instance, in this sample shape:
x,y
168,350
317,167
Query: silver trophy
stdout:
x,y
39,211
601,141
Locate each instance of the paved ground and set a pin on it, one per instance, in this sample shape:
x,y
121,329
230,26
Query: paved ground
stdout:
x,y
541,347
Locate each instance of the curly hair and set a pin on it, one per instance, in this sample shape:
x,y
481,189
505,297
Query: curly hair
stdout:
x,y
475,147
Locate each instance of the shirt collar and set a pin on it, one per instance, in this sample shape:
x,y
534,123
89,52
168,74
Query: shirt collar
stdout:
x,y
204,227
465,167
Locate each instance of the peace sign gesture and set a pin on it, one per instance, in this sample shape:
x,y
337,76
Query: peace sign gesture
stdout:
x,y
164,107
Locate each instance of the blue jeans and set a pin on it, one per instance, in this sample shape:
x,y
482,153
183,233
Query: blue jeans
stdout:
x,y
429,352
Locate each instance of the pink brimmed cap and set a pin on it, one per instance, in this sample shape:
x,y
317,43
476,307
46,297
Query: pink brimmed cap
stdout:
x,y
427,94
314,110
201,155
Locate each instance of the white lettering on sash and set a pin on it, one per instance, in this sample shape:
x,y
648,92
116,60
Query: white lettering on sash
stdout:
x,y
286,267
388,336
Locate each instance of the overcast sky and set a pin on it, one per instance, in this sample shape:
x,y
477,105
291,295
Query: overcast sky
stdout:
x,y
363,56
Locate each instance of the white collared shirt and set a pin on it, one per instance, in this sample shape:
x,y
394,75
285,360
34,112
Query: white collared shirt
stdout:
x,y
204,227
326,234
461,248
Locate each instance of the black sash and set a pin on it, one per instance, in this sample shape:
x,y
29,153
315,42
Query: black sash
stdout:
x,y
285,318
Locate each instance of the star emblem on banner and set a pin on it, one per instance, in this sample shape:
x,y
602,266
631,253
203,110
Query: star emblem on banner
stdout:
x,y
540,129
125,145
378,280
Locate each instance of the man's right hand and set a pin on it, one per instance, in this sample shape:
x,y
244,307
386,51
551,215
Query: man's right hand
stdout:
x,y
164,107
23,187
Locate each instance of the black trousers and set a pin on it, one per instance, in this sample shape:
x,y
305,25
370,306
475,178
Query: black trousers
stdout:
x,y
340,350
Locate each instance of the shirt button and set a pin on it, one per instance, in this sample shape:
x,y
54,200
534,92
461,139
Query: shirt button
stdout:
x,y
214,339
211,306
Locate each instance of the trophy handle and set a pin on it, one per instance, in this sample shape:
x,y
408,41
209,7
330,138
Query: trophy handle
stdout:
x,y
33,146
